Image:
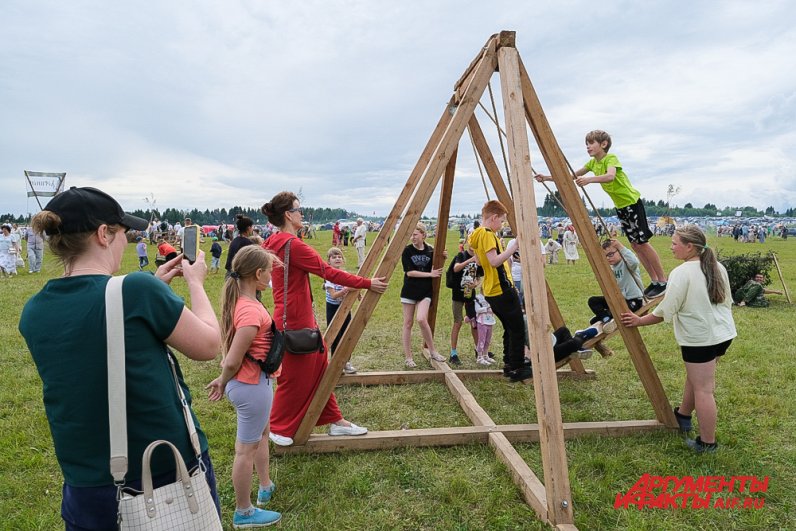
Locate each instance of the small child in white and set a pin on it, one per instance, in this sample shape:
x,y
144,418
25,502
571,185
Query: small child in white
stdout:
x,y
485,320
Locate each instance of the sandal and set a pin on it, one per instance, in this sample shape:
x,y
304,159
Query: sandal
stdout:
x,y
436,357
411,363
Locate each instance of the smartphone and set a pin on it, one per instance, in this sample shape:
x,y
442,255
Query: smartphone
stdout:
x,y
190,242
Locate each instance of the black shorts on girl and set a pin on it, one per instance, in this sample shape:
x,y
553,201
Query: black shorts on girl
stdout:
x,y
704,354
634,222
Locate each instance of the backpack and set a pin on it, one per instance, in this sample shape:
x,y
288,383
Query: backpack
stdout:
x,y
450,282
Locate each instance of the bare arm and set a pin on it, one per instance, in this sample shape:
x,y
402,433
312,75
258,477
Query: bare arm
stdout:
x,y
630,319
458,266
495,259
423,274
232,361
609,176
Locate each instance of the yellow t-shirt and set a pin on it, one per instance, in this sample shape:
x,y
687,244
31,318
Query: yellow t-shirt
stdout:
x,y
495,279
620,190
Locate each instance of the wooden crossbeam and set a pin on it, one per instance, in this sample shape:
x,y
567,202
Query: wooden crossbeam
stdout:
x,y
454,436
413,377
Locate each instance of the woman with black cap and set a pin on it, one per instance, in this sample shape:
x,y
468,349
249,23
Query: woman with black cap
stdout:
x,y
64,327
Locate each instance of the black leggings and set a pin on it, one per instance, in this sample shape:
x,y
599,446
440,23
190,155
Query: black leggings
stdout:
x,y
331,310
599,306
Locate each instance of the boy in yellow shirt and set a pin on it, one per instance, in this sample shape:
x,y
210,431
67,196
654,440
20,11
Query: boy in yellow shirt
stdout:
x,y
608,172
499,289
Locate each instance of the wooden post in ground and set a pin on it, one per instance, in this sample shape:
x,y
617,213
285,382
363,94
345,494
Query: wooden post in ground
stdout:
x,y
559,169
440,239
440,158
554,458
781,278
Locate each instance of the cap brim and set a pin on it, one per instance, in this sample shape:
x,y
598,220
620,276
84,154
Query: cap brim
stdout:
x,y
135,223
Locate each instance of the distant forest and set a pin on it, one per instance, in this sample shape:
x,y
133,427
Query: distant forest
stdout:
x,y
550,208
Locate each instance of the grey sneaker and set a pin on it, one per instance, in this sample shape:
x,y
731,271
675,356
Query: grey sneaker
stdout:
x,y
349,369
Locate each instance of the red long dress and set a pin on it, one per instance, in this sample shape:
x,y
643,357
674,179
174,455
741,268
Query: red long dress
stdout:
x,y
301,373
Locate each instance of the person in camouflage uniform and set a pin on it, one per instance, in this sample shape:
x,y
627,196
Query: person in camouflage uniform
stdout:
x,y
752,293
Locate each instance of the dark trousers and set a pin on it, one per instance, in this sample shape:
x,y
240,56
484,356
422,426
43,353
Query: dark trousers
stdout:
x,y
599,306
508,310
331,310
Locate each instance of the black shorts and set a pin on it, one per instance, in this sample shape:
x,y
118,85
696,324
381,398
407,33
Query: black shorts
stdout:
x,y
634,222
704,354
469,308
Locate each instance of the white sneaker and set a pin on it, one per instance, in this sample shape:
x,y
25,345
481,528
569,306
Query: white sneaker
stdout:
x,y
280,440
436,357
584,354
353,429
609,327
490,361
482,361
349,369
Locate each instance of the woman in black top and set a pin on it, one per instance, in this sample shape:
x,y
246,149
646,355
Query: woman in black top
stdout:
x,y
416,292
245,230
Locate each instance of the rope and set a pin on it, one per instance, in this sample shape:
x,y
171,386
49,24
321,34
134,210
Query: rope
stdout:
x,y
500,138
478,162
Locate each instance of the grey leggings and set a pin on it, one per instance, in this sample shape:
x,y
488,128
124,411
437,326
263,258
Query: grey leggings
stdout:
x,y
253,406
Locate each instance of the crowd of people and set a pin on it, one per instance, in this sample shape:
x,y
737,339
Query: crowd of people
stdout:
x,y
86,231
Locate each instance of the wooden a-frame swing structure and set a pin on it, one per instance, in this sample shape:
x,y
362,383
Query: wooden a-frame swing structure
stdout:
x,y
551,499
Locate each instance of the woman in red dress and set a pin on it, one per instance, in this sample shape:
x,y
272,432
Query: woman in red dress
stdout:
x,y
301,373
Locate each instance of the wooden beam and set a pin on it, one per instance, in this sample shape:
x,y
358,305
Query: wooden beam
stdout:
x,y
454,436
441,236
496,41
548,406
559,169
428,182
412,377
781,278
533,491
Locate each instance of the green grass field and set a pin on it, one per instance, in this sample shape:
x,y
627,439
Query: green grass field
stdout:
x,y
465,487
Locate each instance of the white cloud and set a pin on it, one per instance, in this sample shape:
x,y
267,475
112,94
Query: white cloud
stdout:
x,y
213,104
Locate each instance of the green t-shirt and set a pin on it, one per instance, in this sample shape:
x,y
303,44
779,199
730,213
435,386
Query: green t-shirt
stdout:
x,y
621,191
64,327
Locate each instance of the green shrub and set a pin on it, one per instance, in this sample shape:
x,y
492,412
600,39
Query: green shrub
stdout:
x,y
742,267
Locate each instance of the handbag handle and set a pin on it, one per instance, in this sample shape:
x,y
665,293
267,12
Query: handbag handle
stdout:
x,y
117,391
182,476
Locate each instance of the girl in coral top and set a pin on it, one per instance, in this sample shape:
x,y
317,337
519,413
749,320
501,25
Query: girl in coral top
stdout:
x,y
246,329
301,373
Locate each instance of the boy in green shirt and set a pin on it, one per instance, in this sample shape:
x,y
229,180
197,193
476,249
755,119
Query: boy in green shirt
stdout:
x,y
608,172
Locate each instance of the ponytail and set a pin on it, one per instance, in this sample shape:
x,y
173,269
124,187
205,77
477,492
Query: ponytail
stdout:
x,y
245,265
708,262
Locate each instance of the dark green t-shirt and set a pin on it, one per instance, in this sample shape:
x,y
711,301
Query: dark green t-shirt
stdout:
x,y
64,327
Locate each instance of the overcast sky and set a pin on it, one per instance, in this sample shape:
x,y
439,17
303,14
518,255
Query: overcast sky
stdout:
x,y
213,104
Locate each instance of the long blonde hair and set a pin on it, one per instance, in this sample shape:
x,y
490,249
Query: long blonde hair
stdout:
x,y
245,265
707,261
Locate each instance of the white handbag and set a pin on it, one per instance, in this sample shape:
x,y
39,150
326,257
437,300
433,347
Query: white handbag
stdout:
x,y
185,504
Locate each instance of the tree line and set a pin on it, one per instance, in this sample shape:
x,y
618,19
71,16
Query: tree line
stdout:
x,y
550,208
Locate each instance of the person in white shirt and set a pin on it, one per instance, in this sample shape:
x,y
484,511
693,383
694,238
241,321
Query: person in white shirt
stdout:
x,y
359,241
698,302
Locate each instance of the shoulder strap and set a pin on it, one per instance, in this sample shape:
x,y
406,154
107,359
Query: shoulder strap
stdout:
x,y
117,392
117,385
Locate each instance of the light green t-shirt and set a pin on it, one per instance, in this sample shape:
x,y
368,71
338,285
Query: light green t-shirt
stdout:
x,y
64,327
620,190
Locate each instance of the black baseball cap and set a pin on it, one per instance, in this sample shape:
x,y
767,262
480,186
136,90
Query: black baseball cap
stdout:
x,y
84,209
